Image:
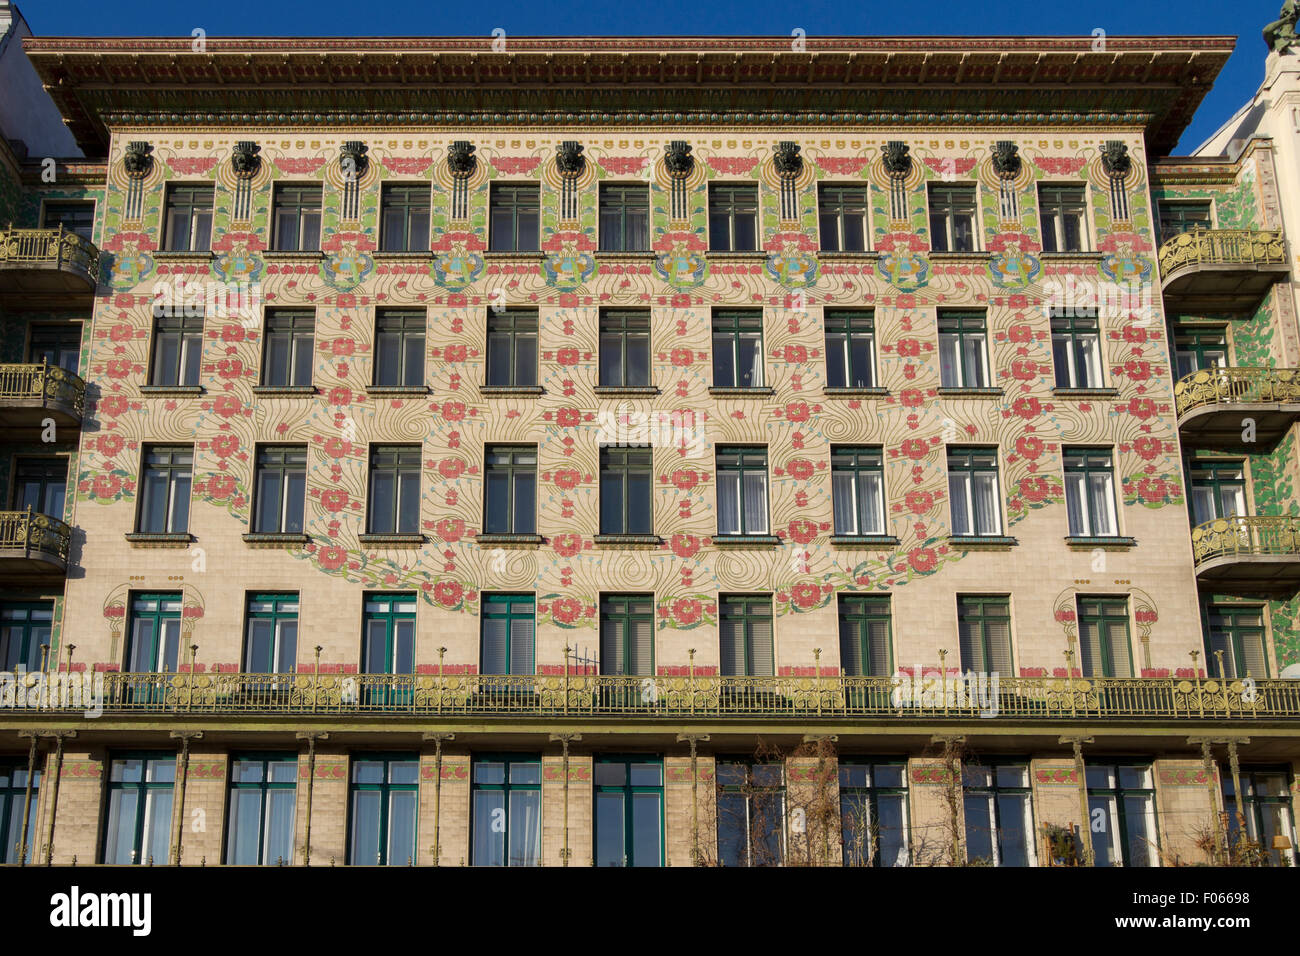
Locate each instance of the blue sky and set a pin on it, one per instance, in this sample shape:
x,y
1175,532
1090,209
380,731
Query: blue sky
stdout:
x,y
1236,83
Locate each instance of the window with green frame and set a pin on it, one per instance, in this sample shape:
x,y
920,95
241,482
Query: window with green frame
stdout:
x,y
751,812
850,348
24,628
404,217
42,485
625,348
858,489
388,634
1198,347
745,635
514,217
287,359
738,348
974,500
1122,813
154,632
624,217
1062,214
510,493
259,826
627,634
629,797
742,489
57,344
952,217
271,644
984,634
1090,492
1104,647
296,216
1076,349
139,814
399,348
383,809
733,217
506,810
177,350
13,797
1179,216
874,811
512,349
280,489
509,630
1236,630
1265,810
1218,488
394,506
842,215
866,637
187,219
998,813
165,489
963,349
626,490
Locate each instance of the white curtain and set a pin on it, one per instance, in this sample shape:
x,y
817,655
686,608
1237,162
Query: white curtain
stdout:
x,y
871,511
957,497
988,517
1101,503
755,502
525,828
729,503
842,503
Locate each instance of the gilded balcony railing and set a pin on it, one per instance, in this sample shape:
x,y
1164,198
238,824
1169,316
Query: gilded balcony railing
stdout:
x,y
30,531
1246,536
48,384
1222,247
1237,386
685,697
54,246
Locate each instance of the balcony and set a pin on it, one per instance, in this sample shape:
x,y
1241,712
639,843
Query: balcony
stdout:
x,y
1221,269
1213,403
674,699
29,394
1248,552
33,545
47,262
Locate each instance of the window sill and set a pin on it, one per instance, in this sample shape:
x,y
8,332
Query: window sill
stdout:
x,y
520,540
171,390
274,254
206,255
413,255
969,392
746,540
396,391
627,541
510,391
626,391
159,539
273,539
635,255
1085,255
1107,542
948,254
841,392
863,541
284,389
755,255
536,254
1085,392
986,542
848,256
731,391
391,540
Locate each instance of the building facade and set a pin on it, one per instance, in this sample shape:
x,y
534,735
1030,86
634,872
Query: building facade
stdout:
x,y
621,452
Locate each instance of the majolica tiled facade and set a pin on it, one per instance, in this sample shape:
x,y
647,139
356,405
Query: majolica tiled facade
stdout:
x,y
456,657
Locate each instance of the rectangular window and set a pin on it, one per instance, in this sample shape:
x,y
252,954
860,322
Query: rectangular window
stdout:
x,y
188,219
1076,351
1104,649
624,217
626,490
287,354
140,792
404,218
1235,636
745,633
1218,488
952,218
509,626
259,828
973,492
510,499
154,633
177,349
865,635
77,217
399,349
24,630
874,812
57,344
1177,217
506,811
41,484
627,636
281,489
999,814
512,348
629,796
1198,347
1265,809
1063,217
858,489
394,506
742,489
1090,492
842,213
733,217
751,812
850,348
388,634
984,634
271,643
625,348
13,797
296,217
963,350
384,808
738,348
165,493
514,217
1122,808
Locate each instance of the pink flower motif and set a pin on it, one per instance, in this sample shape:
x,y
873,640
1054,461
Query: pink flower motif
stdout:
x,y
334,500
802,531
1029,447
448,593
914,448
801,469
515,165
1027,407
567,545
566,610
686,610
805,595
623,165
566,479
450,529
923,560
225,445
908,348
567,356
918,502
684,545
331,557
732,165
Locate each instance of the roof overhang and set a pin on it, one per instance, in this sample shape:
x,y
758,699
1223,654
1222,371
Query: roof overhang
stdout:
x,y
1153,83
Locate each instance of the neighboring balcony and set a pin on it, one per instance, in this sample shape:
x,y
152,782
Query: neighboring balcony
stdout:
x,y
1221,269
30,393
44,262
1214,404
33,544
1250,552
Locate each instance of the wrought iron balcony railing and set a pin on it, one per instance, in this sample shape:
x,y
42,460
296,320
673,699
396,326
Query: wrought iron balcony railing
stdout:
x,y
1222,247
35,535
684,697
1246,536
55,246
43,385
1211,387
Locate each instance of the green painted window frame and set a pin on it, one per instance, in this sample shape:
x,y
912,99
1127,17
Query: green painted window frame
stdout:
x,y
1119,792
522,464
142,788
746,610
968,330
1091,461
625,200
159,616
188,203
983,611
1195,347
29,642
391,609
399,463
629,791
408,200
386,789
507,786
619,328
870,794
509,607
281,464
49,473
838,206
729,328
1209,473
857,614
1253,805
284,609
619,465
265,786
845,328
13,797
734,201
1072,332
995,789
744,460
287,356
1058,202
297,203
513,330
520,200
57,344
185,332
1112,612
619,609
1233,641
969,463
1176,216
859,461
948,203
76,216
404,329
750,788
